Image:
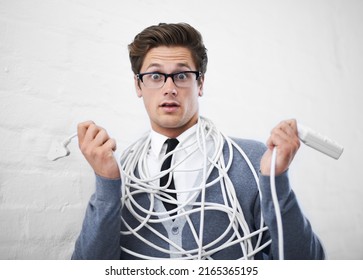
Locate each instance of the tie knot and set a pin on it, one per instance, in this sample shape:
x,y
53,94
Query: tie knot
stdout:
x,y
172,143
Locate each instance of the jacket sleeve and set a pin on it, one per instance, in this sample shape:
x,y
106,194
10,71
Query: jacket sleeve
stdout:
x,y
300,242
100,234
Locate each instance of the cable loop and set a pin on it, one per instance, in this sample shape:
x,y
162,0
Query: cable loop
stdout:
x,y
137,180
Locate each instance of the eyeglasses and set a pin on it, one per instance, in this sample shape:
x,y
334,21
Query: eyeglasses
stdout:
x,y
157,80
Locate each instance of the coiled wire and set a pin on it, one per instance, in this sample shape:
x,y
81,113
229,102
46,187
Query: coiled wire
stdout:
x,y
134,160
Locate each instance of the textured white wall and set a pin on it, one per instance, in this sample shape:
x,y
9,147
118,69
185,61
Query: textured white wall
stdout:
x,y
62,62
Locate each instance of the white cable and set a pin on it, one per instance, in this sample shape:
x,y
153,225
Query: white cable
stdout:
x,y
206,131
59,150
275,201
69,139
202,199
134,160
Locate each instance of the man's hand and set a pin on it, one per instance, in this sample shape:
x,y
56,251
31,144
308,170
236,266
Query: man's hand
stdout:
x,y
97,147
285,138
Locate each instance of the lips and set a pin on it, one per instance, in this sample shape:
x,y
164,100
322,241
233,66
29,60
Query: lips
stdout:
x,y
169,106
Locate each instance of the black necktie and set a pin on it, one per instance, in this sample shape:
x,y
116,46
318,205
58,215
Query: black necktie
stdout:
x,y
172,143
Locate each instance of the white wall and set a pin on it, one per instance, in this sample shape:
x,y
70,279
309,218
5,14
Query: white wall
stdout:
x,y
62,62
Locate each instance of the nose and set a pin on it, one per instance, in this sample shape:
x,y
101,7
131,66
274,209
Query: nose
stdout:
x,y
169,87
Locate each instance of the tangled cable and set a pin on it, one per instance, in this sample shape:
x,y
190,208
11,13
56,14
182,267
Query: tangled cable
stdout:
x,y
134,161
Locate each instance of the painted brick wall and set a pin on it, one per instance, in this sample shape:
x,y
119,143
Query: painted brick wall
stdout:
x,y
62,62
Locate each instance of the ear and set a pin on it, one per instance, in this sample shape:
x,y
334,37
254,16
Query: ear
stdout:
x,y
201,84
137,86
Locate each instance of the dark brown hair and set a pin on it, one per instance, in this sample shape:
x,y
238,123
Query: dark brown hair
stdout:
x,y
163,34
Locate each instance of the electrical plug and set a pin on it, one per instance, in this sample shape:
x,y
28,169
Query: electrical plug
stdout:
x,y
59,150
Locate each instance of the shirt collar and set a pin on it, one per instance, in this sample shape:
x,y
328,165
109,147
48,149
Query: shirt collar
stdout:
x,y
158,140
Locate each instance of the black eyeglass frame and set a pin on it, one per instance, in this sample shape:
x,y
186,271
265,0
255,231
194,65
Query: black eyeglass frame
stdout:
x,y
140,76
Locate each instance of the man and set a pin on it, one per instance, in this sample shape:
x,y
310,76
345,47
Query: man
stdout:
x,y
212,200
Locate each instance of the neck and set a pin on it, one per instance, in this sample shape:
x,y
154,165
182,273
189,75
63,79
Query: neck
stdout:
x,y
174,132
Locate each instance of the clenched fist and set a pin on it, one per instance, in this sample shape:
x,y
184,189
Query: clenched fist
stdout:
x,y
285,138
97,147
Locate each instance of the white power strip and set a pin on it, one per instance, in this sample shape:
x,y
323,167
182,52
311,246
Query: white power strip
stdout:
x,y
319,142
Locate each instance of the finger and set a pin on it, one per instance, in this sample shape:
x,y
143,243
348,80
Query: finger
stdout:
x,y
286,129
111,144
101,137
91,133
277,137
284,136
82,130
276,140
292,123
291,130
289,127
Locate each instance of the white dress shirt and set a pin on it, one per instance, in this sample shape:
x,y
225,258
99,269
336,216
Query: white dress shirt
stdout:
x,y
189,173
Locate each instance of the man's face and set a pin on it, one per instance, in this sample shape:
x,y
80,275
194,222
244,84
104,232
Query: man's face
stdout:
x,y
171,110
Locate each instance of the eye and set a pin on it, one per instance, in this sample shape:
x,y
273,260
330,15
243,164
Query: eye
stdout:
x,y
181,76
155,76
